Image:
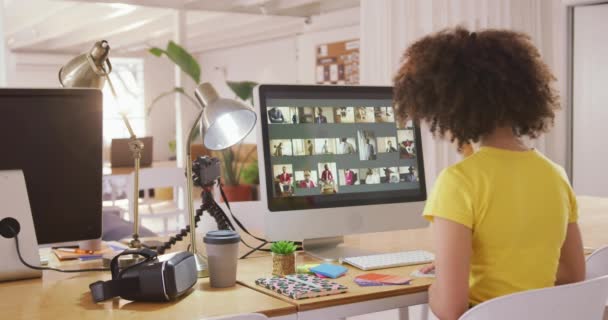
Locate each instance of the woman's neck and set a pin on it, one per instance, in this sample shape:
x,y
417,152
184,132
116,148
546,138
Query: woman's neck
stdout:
x,y
504,138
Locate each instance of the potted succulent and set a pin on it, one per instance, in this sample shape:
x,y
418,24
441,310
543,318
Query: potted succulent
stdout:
x,y
283,258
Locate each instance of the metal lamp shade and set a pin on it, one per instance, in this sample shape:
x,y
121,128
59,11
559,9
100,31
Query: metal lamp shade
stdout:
x,y
225,122
87,70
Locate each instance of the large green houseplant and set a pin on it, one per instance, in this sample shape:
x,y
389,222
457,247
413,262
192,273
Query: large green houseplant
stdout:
x,y
233,161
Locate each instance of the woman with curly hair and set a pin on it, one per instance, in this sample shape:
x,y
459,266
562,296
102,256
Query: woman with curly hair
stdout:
x,y
505,218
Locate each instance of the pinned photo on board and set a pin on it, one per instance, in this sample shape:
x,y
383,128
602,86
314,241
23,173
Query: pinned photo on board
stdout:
x,y
281,147
344,115
328,181
368,148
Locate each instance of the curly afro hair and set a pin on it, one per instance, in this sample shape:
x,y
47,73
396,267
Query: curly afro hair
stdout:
x,y
468,84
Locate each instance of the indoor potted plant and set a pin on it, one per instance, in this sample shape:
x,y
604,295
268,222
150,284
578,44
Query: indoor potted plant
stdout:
x,y
283,258
233,164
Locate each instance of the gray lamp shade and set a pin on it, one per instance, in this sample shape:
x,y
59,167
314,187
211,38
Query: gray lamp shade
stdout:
x,y
225,122
87,70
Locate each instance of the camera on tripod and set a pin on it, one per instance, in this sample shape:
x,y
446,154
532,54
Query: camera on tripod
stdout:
x,y
206,171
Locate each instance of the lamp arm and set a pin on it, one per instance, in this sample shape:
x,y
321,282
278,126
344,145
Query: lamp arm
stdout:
x,y
191,212
136,146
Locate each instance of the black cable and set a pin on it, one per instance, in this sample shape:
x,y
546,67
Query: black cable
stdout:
x,y
53,269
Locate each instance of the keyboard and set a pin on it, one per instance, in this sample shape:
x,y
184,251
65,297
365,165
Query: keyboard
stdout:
x,y
389,260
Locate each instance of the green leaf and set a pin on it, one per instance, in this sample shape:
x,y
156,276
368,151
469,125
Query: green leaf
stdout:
x,y
242,89
283,247
182,58
156,51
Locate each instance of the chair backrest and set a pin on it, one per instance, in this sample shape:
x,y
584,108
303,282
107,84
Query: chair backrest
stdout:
x,y
597,263
248,316
582,300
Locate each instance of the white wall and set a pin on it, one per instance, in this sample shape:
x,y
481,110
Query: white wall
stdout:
x,y
158,74
590,100
286,60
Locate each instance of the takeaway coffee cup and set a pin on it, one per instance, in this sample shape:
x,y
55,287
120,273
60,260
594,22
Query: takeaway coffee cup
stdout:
x,y
222,253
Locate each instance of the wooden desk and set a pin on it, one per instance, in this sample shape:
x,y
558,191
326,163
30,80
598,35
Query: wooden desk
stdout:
x,y
65,296
341,305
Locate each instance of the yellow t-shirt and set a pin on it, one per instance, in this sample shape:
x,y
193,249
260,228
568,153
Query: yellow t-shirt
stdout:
x,y
518,206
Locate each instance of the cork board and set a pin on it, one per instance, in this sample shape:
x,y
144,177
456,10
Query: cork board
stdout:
x,y
338,62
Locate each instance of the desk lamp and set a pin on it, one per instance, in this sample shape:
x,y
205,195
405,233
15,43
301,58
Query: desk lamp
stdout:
x,y
223,123
88,70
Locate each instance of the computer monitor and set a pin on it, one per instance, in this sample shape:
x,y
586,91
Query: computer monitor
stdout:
x,y
55,137
333,162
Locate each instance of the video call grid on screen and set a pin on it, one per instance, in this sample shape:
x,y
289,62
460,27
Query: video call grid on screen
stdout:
x,y
321,147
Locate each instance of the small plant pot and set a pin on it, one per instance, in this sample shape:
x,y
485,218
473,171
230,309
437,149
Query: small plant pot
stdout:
x,y
283,264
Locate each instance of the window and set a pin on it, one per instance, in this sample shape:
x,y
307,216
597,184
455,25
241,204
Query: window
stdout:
x,y
128,79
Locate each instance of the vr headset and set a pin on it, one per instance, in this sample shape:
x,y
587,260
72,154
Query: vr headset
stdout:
x,y
150,279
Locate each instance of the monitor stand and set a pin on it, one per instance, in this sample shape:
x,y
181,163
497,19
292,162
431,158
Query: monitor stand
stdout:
x,y
331,249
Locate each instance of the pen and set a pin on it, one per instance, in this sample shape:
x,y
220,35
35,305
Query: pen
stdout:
x,y
73,250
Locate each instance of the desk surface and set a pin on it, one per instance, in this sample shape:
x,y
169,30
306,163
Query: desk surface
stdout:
x,y
254,268
64,296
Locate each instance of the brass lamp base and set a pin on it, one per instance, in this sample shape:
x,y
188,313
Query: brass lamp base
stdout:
x,y
202,267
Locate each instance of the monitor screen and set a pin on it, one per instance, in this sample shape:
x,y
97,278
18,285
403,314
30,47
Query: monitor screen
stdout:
x,y
337,146
55,137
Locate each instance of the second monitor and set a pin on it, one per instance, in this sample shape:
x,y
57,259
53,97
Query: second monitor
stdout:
x,y
336,162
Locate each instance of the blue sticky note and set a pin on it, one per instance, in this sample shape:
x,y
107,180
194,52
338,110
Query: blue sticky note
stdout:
x,y
329,270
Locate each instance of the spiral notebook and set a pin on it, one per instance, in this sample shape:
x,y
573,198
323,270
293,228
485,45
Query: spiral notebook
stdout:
x,y
301,286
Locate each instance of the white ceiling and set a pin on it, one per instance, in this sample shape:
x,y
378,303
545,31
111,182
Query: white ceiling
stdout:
x,y
130,26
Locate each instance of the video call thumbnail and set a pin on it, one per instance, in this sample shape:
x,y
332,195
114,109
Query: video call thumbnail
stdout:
x,y
407,145
362,176
384,114
306,179
324,115
325,175
368,149
281,147
283,179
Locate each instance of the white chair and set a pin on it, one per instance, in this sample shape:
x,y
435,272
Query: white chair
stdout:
x,y
582,300
248,316
597,263
151,178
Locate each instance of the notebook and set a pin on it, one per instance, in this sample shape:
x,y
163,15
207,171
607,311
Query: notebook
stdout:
x,y
329,270
376,279
301,286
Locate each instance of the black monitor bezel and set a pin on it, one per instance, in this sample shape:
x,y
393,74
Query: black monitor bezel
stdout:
x,y
91,101
331,201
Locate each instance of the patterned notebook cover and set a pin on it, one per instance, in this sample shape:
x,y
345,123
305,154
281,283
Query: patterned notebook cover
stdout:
x,y
301,286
